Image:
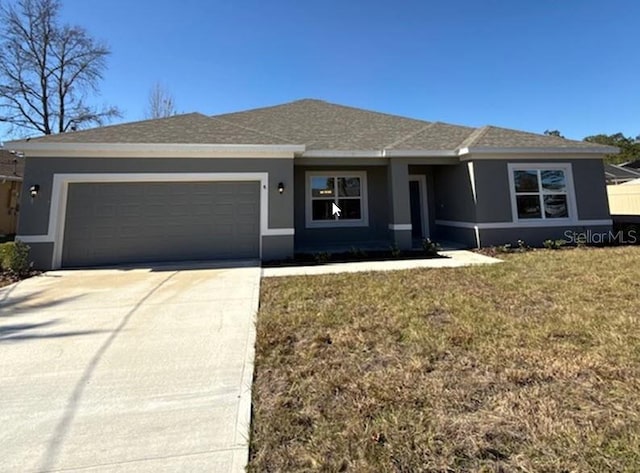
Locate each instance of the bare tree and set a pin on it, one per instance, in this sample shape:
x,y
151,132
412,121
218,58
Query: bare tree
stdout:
x,y
161,103
47,70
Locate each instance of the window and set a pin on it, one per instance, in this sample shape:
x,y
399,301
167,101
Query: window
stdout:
x,y
541,192
347,190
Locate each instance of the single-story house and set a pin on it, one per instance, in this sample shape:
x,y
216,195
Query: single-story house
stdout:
x,y
11,173
304,176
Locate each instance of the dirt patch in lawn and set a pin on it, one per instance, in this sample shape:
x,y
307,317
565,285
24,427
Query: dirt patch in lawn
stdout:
x,y
530,365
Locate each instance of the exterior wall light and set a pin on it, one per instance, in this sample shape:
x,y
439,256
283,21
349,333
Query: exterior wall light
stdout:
x,y
281,187
33,190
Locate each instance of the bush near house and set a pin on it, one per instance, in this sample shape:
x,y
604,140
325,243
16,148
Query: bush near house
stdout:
x,y
14,260
528,365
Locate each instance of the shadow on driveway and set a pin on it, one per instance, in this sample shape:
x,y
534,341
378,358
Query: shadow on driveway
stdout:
x,y
59,434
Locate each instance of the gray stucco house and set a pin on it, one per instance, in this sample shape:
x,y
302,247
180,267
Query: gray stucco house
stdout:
x,y
263,183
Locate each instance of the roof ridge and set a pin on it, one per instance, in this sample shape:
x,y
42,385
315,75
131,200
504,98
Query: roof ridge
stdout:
x,y
325,102
266,107
254,130
473,137
410,135
371,112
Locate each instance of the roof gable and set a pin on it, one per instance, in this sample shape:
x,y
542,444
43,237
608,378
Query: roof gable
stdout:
x,y
317,125
327,126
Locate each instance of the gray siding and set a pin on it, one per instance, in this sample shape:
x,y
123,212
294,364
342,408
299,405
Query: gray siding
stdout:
x,y
376,234
34,218
453,193
40,254
277,247
492,190
494,198
591,189
464,236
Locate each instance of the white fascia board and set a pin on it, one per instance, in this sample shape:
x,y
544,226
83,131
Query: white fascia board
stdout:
x,y
419,153
11,178
592,152
331,153
154,150
383,153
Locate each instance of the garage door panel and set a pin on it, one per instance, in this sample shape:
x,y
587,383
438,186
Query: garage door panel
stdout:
x,y
111,223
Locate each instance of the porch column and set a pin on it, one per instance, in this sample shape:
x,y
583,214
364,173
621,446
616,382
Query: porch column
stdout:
x,y
399,204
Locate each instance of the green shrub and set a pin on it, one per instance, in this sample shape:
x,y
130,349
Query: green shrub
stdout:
x,y
554,244
357,252
322,257
431,248
14,257
506,248
395,251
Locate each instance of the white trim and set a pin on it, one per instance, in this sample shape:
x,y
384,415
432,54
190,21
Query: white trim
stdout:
x,y
329,153
569,192
421,179
155,150
10,179
400,226
418,153
60,186
504,225
364,207
279,232
547,150
34,238
381,153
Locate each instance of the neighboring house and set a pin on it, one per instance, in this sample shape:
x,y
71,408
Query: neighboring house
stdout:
x,y
11,173
634,165
615,174
263,183
624,199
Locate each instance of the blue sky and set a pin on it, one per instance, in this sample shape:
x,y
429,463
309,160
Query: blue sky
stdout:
x,y
572,65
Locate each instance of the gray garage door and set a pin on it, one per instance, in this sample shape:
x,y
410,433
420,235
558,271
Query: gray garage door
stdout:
x,y
112,223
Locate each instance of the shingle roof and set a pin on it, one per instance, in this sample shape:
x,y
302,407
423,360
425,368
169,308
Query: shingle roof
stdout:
x,y
495,137
193,128
618,172
10,165
322,125
318,125
435,136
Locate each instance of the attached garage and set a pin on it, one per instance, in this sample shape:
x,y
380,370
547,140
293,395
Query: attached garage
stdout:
x,y
137,222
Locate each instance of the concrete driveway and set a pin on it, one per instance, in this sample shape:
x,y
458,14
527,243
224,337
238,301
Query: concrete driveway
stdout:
x,y
128,370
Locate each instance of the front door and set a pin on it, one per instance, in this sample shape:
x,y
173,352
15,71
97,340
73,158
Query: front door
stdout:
x,y
418,203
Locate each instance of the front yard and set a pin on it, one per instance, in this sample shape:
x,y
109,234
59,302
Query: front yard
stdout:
x,y
528,365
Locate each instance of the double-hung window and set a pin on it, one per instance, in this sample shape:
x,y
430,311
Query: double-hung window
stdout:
x,y
541,192
336,199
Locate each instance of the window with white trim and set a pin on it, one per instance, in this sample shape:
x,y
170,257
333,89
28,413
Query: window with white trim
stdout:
x,y
541,192
346,190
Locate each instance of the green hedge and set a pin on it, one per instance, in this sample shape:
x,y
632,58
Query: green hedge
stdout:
x,y
14,258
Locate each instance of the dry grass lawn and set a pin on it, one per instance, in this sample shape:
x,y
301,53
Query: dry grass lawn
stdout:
x,y
532,365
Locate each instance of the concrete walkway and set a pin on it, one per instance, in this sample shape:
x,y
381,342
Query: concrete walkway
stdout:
x,y
128,370
453,259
